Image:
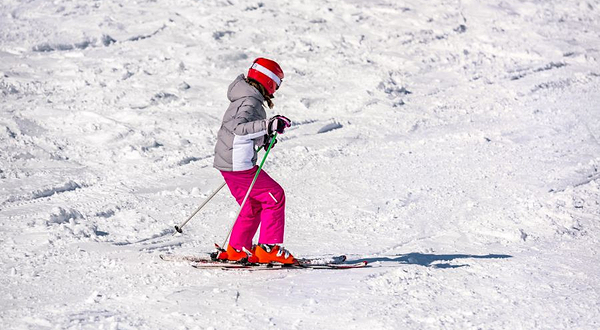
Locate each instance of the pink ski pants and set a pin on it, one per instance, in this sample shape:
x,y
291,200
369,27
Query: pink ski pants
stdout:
x,y
265,207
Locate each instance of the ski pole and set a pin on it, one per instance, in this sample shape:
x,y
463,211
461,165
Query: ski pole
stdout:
x,y
178,228
250,188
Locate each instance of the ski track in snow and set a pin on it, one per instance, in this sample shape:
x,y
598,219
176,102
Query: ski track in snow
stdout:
x,y
455,145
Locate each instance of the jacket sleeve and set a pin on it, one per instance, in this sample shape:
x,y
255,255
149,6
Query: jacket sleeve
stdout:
x,y
243,124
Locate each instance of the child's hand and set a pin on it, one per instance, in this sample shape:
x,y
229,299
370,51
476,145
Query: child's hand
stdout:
x,y
267,142
278,124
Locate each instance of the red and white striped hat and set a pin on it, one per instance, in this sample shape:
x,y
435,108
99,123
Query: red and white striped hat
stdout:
x,y
268,73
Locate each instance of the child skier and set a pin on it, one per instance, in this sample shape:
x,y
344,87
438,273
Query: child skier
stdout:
x,y
245,126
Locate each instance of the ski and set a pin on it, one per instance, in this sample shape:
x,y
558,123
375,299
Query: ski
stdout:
x,y
184,258
253,267
207,259
329,262
322,260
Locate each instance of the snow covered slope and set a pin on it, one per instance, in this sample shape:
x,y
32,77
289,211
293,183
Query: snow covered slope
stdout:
x,y
455,145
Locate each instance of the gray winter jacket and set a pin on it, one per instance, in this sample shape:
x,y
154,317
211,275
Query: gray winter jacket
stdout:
x,y
244,126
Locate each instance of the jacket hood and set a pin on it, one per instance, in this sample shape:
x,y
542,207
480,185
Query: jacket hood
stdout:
x,y
239,88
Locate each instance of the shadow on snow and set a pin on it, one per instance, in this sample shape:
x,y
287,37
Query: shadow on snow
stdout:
x,y
432,260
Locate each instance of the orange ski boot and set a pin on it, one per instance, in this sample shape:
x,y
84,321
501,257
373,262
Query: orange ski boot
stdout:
x,y
267,254
233,255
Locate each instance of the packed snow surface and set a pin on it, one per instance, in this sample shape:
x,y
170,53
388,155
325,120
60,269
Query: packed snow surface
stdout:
x,y
455,145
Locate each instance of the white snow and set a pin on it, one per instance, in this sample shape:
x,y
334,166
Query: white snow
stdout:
x,y
455,145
